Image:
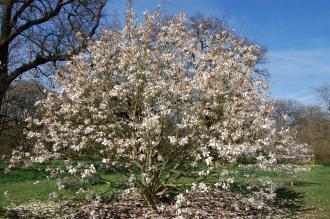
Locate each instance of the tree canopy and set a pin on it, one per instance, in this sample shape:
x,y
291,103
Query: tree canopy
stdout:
x,y
151,98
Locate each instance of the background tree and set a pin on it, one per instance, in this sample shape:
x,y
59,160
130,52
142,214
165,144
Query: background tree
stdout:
x,y
287,112
313,128
20,105
311,124
36,32
324,93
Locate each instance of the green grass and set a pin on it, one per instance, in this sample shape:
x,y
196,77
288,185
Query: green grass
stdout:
x,y
314,186
25,191
23,185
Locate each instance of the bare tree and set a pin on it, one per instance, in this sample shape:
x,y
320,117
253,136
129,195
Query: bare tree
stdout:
x,y
311,124
324,93
288,112
314,129
20,104
36,32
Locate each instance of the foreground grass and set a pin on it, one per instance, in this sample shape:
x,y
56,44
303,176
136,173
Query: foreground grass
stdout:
x,y
23,185
315,189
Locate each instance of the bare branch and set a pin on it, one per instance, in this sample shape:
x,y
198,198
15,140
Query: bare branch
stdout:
x,y
34,22
20,11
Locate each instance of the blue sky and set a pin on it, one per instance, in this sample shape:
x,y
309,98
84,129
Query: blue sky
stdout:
x,y
296,34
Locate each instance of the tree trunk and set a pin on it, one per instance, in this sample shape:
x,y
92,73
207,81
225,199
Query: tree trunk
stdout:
x,y
4,83
6,28
3,89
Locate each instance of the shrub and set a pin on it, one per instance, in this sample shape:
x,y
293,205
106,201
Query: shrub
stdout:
x,y
152,98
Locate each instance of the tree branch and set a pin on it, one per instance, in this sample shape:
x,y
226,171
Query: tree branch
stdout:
x,y
54,12
39,60
20,11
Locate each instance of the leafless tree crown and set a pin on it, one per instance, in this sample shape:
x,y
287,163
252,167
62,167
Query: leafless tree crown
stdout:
x,y
36,32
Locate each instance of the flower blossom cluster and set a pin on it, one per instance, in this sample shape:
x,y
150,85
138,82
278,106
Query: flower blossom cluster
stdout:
x,y
151,96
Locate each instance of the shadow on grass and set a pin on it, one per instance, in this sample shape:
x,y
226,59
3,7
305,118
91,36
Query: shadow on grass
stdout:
x,y
19,175
290,201
304,183
2,212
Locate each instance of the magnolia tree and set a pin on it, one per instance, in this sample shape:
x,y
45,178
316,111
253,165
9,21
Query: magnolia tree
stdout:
x,y
155,102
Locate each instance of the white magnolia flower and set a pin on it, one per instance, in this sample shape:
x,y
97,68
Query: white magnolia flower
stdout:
x,y
153,97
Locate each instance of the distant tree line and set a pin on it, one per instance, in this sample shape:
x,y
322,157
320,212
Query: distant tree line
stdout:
x,y
311,122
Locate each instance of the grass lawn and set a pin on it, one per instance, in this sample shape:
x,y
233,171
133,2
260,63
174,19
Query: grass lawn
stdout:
x,y
23,185
316,190
314,186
